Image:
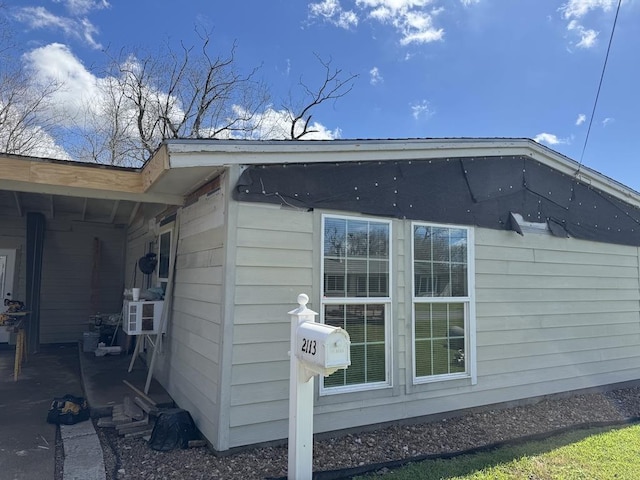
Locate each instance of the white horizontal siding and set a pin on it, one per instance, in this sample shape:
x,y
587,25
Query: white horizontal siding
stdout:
x,y
274,259
189,367
251,373
552,315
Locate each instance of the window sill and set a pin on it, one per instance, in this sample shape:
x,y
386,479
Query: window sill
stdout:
x,y
345,396
441,378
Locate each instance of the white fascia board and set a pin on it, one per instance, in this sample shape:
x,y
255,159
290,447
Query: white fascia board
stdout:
x,y
224,153
190,153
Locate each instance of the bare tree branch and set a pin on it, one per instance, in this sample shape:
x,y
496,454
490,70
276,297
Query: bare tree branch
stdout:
x,y
334,86
142,98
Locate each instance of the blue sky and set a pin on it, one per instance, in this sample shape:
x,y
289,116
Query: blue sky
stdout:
x,y
427,68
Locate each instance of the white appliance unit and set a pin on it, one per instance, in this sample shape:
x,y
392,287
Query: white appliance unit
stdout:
x,y
142,317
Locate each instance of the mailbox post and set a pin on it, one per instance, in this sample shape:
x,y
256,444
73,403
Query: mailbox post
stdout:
x,y
316,349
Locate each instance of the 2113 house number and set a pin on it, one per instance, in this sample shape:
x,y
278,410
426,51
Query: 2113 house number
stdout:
x,y
308,346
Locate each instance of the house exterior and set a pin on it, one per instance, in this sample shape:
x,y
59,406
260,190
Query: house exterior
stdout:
x,y
467,272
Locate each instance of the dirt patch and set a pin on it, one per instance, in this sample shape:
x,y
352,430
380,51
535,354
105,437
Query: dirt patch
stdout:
x,y
129,459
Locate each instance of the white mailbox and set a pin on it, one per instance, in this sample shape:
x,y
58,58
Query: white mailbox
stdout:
x,y
323,349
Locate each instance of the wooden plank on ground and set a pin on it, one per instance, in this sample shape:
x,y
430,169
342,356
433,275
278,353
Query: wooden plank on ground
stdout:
x,y
140,393
124,428
106,422
147,407
132,410
197,443
141,433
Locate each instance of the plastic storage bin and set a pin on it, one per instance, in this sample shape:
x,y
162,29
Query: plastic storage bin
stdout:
x,y
90,341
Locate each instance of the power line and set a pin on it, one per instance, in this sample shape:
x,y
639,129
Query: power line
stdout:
x,y
595,103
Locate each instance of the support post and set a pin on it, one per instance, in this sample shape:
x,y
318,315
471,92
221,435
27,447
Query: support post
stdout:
x,y
300,461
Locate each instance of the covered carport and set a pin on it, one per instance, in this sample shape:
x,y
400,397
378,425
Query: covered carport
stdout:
x,y
63,234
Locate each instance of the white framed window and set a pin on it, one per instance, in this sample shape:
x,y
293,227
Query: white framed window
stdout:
x,y
356,273
164,254
443,304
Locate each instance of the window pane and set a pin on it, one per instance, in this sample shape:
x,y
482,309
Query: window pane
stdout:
x,y
421,243
441,280
439,332
164,255
356,263
379,240
376,371
336,379
365,324
335,231
3,268
440,361
356,371
355,323
459,281
446,275
334,315
357,238
335,274
424,367
458,242
439,313
423,276
423,321
375,323
357,285
356,258
441,244
378,278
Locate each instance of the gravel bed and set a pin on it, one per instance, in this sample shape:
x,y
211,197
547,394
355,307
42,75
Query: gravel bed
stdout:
x,y
129,459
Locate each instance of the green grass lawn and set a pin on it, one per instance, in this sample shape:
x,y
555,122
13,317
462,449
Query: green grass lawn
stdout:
x,y
611,453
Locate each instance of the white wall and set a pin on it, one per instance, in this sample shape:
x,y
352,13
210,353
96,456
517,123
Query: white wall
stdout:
x,y
553,315
189,367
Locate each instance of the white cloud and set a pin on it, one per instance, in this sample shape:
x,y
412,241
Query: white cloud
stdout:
x,y
47,147
331,11
579,8
420,109
56,63
83,102
466,3
588,37
375,77
82,7
412,19
574,11
276,125
26,137
550,139
40,17
607,121
581,119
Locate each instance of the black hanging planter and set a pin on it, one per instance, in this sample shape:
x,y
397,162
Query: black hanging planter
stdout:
x,y
147,264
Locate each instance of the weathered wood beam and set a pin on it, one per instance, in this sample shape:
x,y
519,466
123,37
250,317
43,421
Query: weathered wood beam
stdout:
x,y
56,177
134,212
64,174
155,168
114,211
16,196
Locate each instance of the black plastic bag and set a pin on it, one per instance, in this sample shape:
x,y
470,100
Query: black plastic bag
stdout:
x,y
174,428
68,410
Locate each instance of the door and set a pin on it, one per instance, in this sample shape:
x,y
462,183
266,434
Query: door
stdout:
x,y
7,269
